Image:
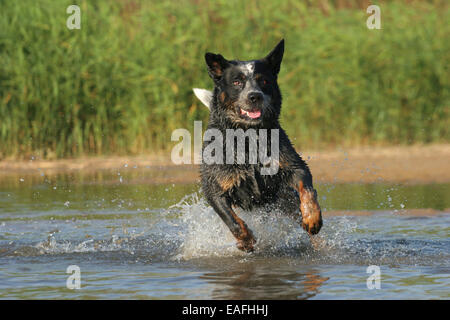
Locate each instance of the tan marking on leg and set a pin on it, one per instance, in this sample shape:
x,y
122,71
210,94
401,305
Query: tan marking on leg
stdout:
x,y
309,206
246,240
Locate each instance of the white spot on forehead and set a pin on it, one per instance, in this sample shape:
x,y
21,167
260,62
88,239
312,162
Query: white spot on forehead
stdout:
x,y
249,67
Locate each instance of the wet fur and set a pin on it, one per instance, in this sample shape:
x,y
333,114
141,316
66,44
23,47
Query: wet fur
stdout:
x,y
227,186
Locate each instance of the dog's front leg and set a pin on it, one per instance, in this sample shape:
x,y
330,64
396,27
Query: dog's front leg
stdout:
x,y
237,226
309,206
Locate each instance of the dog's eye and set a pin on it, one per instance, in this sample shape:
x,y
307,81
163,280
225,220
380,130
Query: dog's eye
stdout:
x,y
236,83
265,82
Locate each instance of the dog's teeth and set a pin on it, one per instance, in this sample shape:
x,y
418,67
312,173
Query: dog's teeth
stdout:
x,y
253,115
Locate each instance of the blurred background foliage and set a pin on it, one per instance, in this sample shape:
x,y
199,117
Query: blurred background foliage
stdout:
x,y
122,83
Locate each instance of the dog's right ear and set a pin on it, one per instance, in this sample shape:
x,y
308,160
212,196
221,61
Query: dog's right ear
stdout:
x,y
275,56
216,65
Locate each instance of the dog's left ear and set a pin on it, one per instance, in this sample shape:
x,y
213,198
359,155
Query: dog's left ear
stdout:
x,y
275,56
216,65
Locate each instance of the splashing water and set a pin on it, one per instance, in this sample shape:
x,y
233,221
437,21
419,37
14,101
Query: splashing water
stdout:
x,y
205,235
135,238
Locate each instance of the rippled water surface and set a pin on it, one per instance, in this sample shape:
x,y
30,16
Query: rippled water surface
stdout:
x,y
141,234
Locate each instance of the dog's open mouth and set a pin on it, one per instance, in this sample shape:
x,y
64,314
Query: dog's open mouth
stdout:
x,y
254,114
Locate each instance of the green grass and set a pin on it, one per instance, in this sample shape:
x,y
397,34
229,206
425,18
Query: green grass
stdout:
x,y
123,82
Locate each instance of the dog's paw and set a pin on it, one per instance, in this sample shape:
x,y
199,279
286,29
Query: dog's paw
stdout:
x,y
247,243
311,213
312,226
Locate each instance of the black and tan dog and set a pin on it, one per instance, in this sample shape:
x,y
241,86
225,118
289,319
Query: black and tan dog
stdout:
x,y
246,96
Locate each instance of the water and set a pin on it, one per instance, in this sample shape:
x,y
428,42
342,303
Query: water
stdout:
x,y
141,233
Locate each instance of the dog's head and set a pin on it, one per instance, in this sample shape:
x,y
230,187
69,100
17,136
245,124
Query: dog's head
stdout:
x,y
247,92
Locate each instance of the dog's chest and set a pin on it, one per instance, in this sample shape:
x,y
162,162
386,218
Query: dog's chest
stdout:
x,y
253,188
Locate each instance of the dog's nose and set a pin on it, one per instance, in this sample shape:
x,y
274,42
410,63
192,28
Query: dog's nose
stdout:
x,y
255,97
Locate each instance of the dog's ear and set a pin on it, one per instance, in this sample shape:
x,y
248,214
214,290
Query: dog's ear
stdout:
x,y
216,65
273,59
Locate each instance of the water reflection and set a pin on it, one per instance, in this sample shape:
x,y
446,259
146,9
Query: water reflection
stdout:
x,y
253,280
132,241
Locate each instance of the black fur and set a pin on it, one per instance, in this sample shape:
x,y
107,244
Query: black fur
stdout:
x,y
242,185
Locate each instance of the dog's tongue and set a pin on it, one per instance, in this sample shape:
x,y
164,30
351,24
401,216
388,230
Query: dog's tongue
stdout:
x,y
252,114
255,114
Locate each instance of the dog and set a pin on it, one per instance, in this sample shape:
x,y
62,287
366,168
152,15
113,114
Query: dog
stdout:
x,y
246,96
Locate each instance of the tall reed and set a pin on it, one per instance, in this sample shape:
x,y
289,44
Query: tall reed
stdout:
x,y
122,83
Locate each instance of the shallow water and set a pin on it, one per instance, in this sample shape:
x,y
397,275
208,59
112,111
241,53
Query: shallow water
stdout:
x,y
137,235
